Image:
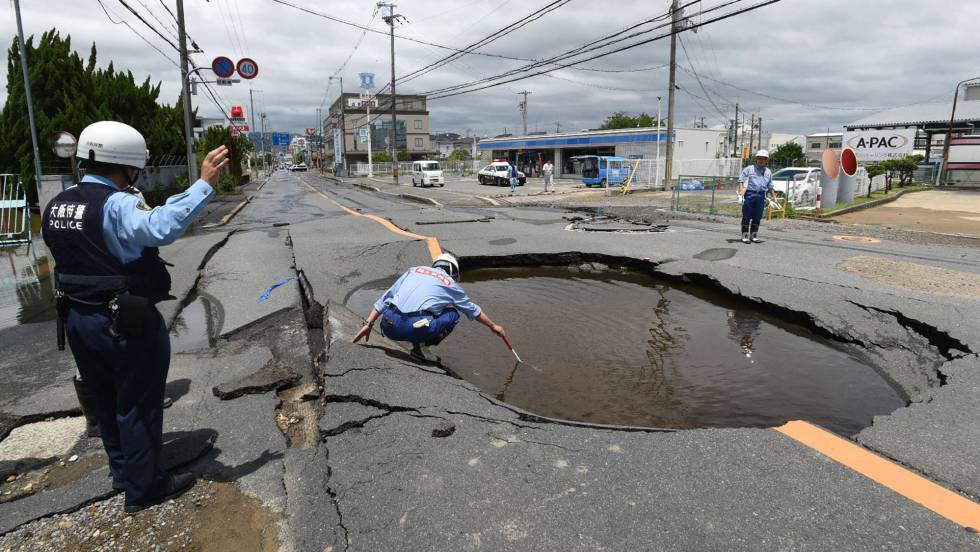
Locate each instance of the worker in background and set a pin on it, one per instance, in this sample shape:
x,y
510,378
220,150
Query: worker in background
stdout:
x,y
754,182
513,178
548,171
423,307
108,278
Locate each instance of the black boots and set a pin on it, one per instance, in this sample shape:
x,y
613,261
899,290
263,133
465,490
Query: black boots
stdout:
x,y
86,399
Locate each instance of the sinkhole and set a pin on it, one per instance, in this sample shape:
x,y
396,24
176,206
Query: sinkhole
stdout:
x,y
620,346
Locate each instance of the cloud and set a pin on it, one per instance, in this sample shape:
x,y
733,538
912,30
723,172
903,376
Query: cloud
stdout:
x,y
836,53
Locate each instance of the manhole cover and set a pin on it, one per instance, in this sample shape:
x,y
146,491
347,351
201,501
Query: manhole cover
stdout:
x,y
859,239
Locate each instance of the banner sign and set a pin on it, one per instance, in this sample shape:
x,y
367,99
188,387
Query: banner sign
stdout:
x,y
879,145
337,146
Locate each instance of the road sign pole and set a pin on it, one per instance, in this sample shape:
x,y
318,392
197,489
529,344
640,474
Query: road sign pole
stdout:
x,y
27,94
370,161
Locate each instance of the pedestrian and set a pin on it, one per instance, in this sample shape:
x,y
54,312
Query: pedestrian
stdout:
x,y
754,182
513,178
423,307
548,170
108,278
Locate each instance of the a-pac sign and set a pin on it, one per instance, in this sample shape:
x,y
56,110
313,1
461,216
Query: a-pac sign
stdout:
x,y
878,145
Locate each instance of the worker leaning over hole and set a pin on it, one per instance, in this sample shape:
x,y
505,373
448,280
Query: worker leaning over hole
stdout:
x,y
423,307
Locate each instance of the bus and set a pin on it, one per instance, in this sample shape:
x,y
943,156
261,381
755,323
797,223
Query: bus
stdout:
x,y
599,170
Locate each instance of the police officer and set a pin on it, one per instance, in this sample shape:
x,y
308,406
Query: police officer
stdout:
x,y
423,306
108,277
754,182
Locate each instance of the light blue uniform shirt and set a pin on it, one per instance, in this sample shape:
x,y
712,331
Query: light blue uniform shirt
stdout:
x,y
128,225
757,181
427,288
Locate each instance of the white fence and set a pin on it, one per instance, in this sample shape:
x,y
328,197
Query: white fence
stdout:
x,y
646,172
405,167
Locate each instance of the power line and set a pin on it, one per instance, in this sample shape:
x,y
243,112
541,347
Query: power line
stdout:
x,y
451,91
143,38
357,45
691,65
492,37
596,44
603,87
385,33
151,27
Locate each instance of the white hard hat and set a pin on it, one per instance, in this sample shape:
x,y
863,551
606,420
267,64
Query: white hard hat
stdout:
x,y
762,153
448,263
114,143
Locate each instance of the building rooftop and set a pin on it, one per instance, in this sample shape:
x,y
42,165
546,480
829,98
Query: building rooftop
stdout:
x,y
920,114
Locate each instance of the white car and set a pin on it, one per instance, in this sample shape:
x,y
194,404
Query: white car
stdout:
x,y
298,167
427,173
498,174
802,183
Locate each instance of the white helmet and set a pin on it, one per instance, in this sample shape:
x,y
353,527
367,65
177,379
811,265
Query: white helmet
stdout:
x,y
762,153
449,264
114,143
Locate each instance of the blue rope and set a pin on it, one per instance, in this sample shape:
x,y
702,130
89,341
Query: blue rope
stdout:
x,y
268,292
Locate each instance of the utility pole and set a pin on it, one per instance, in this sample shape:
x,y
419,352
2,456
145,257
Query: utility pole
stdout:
x,y
735,133
251,108
751,132
27,94
390,20
262,147
674,16
557,127
186,95
343,127
523,106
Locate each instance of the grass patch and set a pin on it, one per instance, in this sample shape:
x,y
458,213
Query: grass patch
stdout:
x,y
880,194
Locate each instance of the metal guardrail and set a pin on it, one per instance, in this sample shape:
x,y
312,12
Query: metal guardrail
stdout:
x,y
15,213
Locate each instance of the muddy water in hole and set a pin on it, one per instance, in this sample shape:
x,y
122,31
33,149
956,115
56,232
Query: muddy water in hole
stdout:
x,y
621,347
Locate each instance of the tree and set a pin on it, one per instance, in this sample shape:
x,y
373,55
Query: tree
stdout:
x,y
403,155
621,119
906,168
380,157
787,154
69,94
459,154
874,169
238,150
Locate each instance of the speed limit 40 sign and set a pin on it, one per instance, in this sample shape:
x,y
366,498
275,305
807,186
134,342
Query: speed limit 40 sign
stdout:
x,y
247,68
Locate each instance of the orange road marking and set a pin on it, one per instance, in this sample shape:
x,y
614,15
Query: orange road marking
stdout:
x,y
432,243
914,487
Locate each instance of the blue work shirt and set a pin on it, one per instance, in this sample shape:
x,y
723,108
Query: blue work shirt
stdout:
x,y
129,225
758,181
427,288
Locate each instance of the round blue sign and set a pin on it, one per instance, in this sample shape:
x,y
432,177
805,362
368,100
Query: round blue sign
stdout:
x,y
223,67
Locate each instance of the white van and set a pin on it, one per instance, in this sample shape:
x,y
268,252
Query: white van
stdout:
x,y
427,173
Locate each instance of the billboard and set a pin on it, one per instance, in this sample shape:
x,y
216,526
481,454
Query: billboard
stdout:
x,y
879,145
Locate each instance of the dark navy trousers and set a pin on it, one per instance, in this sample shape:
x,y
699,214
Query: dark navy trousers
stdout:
x,y
400,326
752,209
128,377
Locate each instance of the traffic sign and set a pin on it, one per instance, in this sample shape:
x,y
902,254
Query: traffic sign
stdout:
x,y
247,68
224,82
223,67
311,132
363,135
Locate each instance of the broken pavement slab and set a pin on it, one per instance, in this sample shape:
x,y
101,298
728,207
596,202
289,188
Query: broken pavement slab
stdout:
x,y
238,274
274,375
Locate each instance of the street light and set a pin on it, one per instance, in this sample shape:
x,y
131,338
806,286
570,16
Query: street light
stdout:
x,y
949,130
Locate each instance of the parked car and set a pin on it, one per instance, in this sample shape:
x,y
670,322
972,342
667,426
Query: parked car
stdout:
x,y
498,174
427,173
802,183
298,167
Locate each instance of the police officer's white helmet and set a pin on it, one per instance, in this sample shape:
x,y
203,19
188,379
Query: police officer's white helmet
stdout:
x,y
762,153
449,264
114,143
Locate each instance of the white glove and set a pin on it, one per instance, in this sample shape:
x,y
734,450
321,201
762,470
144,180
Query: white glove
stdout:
x,y
741,198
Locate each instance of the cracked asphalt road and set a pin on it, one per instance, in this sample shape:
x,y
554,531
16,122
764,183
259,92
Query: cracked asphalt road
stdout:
x,y
402,456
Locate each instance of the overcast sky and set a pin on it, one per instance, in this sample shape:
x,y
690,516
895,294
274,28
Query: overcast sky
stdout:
x,y
834,55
